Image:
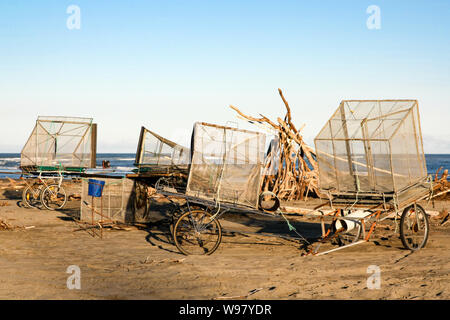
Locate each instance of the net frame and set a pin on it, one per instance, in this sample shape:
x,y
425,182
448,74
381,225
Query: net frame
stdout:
x,y
371,147
114,204
179,155
226,164
77,150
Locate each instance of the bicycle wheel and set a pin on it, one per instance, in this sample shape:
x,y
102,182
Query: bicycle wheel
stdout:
x,y
54,197
31,196
196,233
414,227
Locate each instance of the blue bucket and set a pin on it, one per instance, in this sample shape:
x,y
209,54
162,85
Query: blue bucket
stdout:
x,y
96,188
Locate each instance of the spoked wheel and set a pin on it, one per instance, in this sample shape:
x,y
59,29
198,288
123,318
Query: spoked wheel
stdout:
x,y
177,212
196,233
31,195
414,227
54,197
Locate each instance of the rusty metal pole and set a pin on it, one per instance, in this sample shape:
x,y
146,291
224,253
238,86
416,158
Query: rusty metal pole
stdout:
x,y
101,217
92,215
92,210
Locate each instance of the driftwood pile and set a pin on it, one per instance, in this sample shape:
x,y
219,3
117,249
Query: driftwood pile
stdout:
x,y
5,225
290,169
441,185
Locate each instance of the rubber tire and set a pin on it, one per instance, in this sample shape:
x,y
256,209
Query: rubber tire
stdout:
x,y
402,233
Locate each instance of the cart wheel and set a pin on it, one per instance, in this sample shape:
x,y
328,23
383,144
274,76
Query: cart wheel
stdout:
x,y
31,196
177,212
54,197
195,233
414,228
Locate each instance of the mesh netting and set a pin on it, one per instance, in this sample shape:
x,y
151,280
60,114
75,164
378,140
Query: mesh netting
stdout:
x,y
226,164
59,141
155,150
371,146
115,203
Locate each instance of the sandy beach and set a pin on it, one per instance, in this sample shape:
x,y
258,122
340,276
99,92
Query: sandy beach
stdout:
x,y
142,262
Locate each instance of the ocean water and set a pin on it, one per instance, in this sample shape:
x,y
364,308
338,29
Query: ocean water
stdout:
x,y
124,162
121,163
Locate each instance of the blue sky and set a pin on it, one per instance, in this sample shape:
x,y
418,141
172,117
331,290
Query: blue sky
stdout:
x,y
167,64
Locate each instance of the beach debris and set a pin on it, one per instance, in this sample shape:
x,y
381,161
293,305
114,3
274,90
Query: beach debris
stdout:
x,y
251,292
441,185
443,177
4,204
445,216
13,184
75,196
438,215
167,260
4,225
296,175
141,265
102,224
7,226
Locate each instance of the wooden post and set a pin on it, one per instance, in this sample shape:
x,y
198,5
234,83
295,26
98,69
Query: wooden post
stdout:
x,y
368,151
334,157
416,137
140,148
392,166
424,164
94,145
347,145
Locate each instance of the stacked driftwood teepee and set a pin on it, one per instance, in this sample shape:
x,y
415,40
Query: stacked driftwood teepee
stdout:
x,y
290,169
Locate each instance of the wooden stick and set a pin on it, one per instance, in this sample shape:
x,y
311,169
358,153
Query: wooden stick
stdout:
x,y
295,176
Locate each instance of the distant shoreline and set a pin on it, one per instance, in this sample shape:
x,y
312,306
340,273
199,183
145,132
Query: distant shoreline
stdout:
x,y
124,162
